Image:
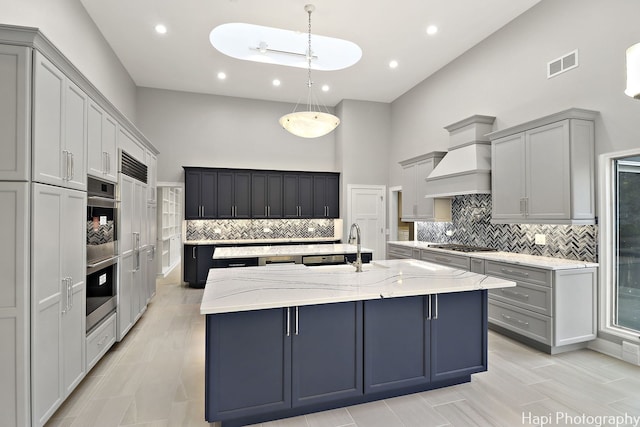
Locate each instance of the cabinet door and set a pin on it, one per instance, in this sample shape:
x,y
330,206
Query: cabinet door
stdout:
x,y
190,261
125,289
151,160
96,158
204,255
290,189
126,212
259,195
192,191
237,383
326,352
242,195
110,147
396,340
15,104
458,334
548,182
305,195
409,207
332,198
208,194
508,177
49,161
75,135
319,196
424,206
225,202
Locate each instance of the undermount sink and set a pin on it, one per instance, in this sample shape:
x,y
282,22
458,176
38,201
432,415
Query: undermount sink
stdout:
x,y
345,268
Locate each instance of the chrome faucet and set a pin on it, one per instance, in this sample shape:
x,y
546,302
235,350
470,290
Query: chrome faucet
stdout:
x,y
358,263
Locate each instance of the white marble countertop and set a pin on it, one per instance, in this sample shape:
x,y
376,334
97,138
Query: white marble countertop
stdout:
x,y
548,263
288,285
259,241
261,251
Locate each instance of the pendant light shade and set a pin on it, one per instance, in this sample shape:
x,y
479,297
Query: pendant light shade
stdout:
x,y
312,123
633,71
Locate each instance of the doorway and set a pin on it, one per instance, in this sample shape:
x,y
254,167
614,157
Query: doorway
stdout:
x,y
366,206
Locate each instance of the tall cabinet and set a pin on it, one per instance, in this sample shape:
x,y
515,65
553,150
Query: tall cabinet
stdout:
x,y
50,113
415,206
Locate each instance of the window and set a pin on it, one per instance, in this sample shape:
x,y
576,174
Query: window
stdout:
x,y
626,298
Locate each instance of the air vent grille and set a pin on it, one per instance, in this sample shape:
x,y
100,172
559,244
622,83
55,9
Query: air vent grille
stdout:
x,y
132,167
564,63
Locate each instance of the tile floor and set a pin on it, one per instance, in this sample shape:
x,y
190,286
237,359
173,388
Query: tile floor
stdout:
x,y
155,377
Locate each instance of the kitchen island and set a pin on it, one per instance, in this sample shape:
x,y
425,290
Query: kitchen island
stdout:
x,y
285,340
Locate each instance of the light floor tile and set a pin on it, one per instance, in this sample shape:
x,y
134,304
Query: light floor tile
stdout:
x,y
374,414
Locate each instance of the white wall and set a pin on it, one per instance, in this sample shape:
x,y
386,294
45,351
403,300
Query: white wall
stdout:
x,y
505,76
71,30
215,131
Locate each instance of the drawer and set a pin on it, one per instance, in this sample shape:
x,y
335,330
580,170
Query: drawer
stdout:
x,y
476,265
532,297
399,252
437,257
100,340
524,322
538,276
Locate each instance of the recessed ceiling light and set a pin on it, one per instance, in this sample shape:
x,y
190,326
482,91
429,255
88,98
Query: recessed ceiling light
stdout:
x,y
393,64
161,29
325,88
432,29
222,75
276,82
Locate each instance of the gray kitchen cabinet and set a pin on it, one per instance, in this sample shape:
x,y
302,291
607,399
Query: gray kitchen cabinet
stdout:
x,y
58,297
59,127
200,193
326,195
264,361
15,104
476,265
402,252
102,143
266,194
443,258
543,171
553,310
298,195
415,207
14,300
234,194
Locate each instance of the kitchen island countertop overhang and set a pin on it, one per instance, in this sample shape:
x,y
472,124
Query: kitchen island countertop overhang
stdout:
x,y
277,286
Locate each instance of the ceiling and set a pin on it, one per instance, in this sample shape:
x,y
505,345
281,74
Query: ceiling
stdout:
x,y
184,60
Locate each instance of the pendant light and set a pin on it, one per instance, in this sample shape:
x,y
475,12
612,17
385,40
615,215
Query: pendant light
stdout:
x,y
633,71
313,122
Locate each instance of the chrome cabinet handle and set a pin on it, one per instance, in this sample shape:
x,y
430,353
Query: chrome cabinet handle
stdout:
x,y
265,211
65,286
514,320
193,252
268,210
70,293
108,162
72,174
288,322
515,294
65,166
429,308
237,265
297,321
435,315
203,211
442,259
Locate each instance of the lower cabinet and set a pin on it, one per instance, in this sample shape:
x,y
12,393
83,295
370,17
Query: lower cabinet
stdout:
x,y
267,364
269,360
197,259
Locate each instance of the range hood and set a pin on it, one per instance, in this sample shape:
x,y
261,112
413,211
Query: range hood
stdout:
x,y
466,168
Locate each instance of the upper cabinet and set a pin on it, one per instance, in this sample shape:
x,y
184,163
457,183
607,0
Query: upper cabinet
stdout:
x,y
15,105
266,194
200,193
234,194
298,195
543,171
151,160
59,128
415,206
326,195
102,136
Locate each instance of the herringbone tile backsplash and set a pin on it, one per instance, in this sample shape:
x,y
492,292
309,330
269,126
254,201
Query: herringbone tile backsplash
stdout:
x,y
238,229
471,225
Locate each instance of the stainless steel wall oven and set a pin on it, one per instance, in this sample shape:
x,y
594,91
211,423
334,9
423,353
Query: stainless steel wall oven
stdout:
x,y
102,250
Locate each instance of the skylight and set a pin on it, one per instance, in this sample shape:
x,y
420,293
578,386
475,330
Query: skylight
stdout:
x,y
283,47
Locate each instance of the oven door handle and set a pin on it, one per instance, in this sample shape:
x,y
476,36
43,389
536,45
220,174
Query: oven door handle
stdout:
x,y
101,264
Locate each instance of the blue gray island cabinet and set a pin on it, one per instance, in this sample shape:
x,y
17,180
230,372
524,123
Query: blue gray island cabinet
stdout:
x,y
288,340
